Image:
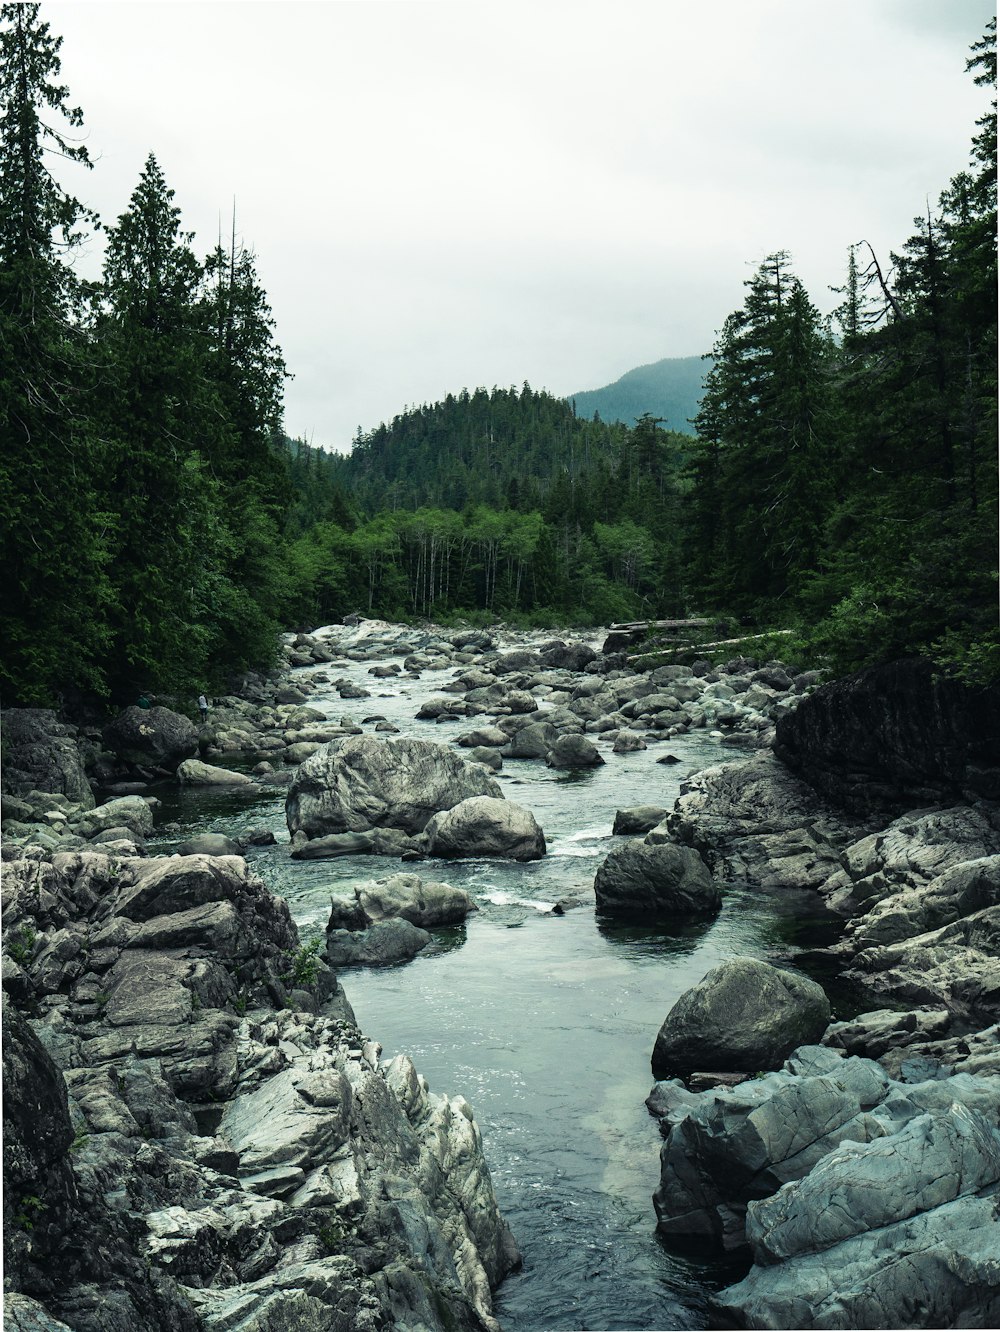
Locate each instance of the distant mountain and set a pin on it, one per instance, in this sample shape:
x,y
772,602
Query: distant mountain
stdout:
x,y
671,388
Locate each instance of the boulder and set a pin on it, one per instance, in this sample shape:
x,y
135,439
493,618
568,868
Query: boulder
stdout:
x,y
132,812
638,819
381,944
744,1016
485,826
192,772
209,844
532,741
640,881
573,751
40,754
568,656
422,902
364,782
152,737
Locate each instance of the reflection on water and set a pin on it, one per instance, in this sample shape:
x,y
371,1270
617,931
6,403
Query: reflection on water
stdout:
x,y
547,1029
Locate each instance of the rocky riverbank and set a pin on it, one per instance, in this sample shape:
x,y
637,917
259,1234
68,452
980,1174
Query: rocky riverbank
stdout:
x,y
167,1018
863,1174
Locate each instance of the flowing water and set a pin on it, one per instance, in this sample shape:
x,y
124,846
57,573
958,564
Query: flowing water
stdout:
x,y
544,1022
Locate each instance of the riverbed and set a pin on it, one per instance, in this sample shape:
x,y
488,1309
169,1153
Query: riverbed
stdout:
x,y
544,1022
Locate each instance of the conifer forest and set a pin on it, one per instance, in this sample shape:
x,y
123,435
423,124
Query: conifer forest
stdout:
x,y
160,529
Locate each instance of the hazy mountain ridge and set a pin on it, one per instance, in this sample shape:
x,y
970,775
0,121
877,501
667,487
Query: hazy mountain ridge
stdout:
x,y
671,388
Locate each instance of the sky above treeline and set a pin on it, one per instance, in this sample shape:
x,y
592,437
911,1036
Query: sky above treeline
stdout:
x,y
452,193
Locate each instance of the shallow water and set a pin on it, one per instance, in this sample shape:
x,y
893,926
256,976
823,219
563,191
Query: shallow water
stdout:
x,y
545,1023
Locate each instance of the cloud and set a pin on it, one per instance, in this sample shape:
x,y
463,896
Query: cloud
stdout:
x,y
445,194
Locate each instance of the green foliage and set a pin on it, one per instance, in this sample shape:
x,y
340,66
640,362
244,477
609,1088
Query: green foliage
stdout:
x,y
28,1209
21,944
332,1233
304,969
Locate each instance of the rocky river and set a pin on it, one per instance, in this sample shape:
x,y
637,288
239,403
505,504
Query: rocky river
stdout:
x,y
188,1013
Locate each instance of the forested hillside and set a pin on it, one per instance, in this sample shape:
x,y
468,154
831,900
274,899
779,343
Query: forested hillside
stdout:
x,y
159,529
670,389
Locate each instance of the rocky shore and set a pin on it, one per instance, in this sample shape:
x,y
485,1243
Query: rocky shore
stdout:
x,y
861,1173
199,1136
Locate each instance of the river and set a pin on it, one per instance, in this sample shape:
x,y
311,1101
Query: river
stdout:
x,y
544,1022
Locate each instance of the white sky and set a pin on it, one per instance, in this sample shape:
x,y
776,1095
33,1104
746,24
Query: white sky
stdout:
x,y
448,193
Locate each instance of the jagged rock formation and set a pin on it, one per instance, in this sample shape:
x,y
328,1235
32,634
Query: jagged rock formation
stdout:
x,y
895,737
866,1192
865,1202
197,1134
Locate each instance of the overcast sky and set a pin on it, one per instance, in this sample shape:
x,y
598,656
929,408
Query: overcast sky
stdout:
x,y
452,193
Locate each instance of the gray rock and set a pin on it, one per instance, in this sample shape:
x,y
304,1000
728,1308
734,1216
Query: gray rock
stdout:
x,y
209,844
41,754
532,742
744,1016
132,812
152,737
485,826
638,819
422,902
364,783
192,772
655,882
381,944
628,743
489,758
573,751
932,1160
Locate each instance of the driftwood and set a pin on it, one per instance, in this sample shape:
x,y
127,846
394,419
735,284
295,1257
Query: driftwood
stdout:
x,y
709,647
635,625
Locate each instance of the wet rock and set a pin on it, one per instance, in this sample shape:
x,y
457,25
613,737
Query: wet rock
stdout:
x,y
656,883
364,783
485,826
192,772
744,1016
381,944
209,844
638,819
573,751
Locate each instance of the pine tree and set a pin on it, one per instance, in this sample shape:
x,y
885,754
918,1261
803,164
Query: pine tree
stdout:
x,y
53,527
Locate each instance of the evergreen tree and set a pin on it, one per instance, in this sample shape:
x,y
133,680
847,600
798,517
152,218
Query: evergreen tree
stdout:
x,y
56,591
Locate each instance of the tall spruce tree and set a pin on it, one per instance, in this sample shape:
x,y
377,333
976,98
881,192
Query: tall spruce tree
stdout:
x,y
52,522
165,417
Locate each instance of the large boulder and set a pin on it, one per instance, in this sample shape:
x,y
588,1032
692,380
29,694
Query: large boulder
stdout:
x,y
745,1016
573,751
361,783
643,881
131,812
380,944
192,772
895,737
423,902
40,754
152,737
484,826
